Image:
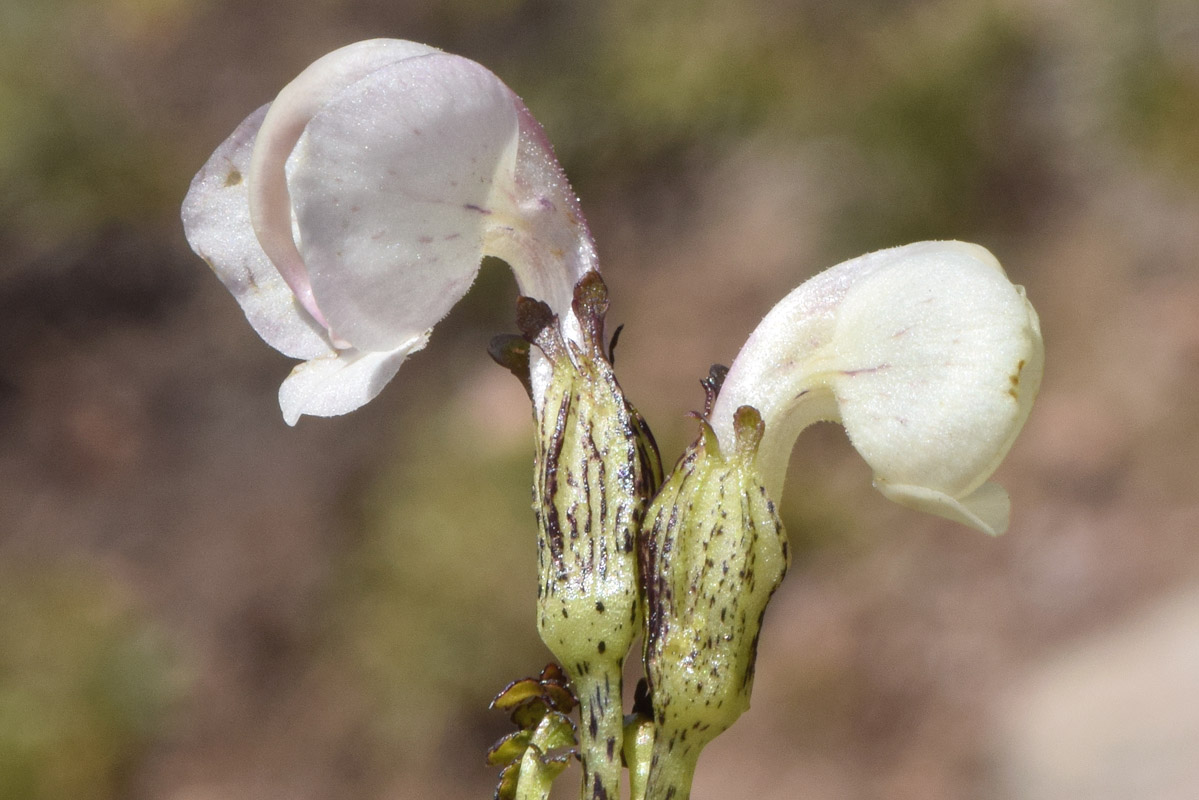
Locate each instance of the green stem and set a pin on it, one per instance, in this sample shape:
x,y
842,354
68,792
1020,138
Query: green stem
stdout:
x,y
671,769
638,750
601,728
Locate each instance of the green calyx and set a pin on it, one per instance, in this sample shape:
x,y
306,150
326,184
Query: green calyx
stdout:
x,y
714,552
596,467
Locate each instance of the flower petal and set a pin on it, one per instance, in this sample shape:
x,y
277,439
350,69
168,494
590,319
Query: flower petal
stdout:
x,y
375,184
391,184
935,355
270,205
986,509
539,228
927,355
216,221
340,383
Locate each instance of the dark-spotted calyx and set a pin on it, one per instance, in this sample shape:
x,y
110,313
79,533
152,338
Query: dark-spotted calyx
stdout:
x,y
714,552
596,467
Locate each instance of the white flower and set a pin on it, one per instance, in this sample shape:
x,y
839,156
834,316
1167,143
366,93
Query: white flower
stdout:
x,y
350,215
927,354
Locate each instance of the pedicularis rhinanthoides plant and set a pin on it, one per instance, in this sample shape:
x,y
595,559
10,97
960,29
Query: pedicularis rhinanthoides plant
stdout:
x,y
350,214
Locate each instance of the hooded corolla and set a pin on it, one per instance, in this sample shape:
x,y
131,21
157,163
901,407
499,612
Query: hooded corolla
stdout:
x,y
350,214
928,356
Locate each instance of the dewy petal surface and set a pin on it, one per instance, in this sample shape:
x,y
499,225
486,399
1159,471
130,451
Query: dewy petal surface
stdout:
x,y
538,226
540,230
216,221
927,355
391,184
270,204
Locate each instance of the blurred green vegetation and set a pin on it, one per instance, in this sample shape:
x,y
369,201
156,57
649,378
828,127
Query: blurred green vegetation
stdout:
x,y
936,129
73,155
929,97
432,608
927,109
85,682
1156,85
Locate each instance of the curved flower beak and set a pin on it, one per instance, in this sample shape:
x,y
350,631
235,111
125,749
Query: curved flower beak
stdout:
x,y
927,354
352,213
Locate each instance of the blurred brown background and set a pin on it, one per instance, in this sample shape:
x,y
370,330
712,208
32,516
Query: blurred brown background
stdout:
x,y
198,603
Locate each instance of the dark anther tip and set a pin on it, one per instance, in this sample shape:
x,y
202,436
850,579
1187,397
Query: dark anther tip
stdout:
x,y
612,344
712,384
512,353
590,296
532,317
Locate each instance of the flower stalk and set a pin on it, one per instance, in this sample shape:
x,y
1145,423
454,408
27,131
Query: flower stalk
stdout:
x,y
638,750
